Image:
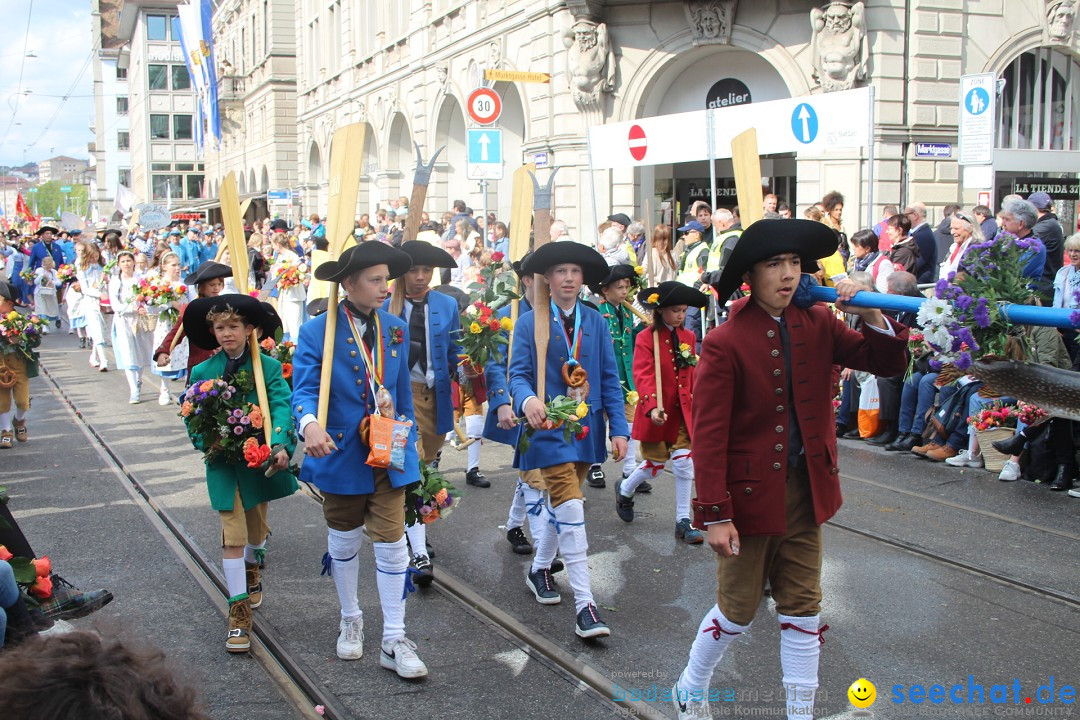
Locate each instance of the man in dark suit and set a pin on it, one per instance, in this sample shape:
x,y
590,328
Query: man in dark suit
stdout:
x,y
927,267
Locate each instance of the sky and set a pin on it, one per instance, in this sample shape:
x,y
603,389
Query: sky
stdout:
x,y
59,35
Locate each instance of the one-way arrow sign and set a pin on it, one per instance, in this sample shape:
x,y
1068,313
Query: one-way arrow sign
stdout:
x,y
485,154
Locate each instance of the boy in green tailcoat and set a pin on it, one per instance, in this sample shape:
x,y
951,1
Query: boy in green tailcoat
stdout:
x,y
239,493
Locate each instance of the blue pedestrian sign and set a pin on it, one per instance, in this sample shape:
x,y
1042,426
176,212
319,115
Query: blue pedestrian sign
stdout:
x,y
804,123
484,159
977,101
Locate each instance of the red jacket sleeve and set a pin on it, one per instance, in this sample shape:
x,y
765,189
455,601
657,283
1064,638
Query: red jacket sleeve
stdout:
x,y
871,351
714,378
166,342
645,371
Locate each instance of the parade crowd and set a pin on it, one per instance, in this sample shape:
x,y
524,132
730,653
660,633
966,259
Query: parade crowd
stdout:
x,y
436,340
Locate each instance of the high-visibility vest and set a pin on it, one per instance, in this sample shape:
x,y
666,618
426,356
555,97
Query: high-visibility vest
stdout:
x,y
689,271
717,257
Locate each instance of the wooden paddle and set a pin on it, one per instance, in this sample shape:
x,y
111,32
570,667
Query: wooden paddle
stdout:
x,y
520,227
238,257
346,153
656,366
747,164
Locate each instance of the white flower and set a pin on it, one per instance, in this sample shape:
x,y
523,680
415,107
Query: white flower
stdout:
x,y
935,312
472,311
939,337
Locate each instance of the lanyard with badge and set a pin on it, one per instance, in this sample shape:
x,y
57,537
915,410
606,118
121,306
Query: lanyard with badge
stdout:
x,y
575,377
385,436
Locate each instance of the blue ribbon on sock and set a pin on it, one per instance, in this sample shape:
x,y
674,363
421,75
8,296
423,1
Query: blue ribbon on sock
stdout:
x,y
535,508
558,525
408,573
328,564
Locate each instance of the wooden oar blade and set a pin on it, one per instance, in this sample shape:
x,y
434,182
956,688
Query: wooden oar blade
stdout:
x,y
346,165
521,211
747,164
234,232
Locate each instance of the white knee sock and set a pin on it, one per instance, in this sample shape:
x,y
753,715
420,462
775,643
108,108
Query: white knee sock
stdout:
x,y
536,514
647,470
391,565
516,518
235,579
545,539
164,385
713,637
800,647
574,546
474,428
683,467
250,556
133,380
630,463
342,562
5,418
417,535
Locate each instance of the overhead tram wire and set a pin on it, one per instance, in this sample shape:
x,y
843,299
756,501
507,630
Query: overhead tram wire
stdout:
x,y
67,96
22,67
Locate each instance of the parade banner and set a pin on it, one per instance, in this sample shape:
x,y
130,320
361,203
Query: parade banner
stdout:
x,y
810,125
193,47
207,12
153,217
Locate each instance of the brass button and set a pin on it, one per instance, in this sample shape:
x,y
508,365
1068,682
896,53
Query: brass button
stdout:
x,y
277,429
779,448
748,491
779,428
776,353
776,372
356,368
779,408
771,333
779,391
340,435
716,508
300,408
833,471
776,466
359,382
501,391
352,353
349,340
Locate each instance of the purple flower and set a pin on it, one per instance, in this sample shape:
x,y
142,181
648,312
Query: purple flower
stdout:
x,y
238,413
935,365
449,501
963,361
981,313
245,420
226,394
231,420
238,430
213,393
1074,318
963,302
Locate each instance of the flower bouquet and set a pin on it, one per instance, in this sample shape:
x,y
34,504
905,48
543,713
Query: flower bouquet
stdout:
x,y
963,318
21,334
27,276
223,424
160,293
562,412
916,348
685,356
65,273
107,269
282,351
431,498
290,276
31,574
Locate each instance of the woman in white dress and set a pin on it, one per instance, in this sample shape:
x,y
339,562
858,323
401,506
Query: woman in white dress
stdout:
x,y
73,300
46,304
290,300
131,346
168,272
92,282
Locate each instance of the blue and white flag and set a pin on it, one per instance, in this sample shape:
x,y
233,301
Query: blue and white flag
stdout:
x,y
212,83
192,45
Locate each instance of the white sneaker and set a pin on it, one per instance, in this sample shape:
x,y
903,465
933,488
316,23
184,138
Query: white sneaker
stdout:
x,y
965,459
164,398
1010,471
59,627
350,641
134,399
400,656
687,709
1075,492
93,362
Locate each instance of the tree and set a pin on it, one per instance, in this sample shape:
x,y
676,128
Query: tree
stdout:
x,y
49,197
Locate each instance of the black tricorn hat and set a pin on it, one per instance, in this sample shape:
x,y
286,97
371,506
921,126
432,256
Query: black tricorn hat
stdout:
x,y
424,253
279,224
518,263
616,273
768,238
592,264
672,293
209,270
43,228
362,256
198,331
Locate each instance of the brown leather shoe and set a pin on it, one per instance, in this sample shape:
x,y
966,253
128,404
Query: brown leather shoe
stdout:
x,y
921,450
942,453
254,585
238,638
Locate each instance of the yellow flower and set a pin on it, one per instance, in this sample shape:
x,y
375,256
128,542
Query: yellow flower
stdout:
x,y
632,397
507,324
12,315
638,270
582,410
475,329
684,348
653,299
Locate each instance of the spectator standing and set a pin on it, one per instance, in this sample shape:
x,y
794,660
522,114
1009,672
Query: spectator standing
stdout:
x,y
986,220
927,266
1048,229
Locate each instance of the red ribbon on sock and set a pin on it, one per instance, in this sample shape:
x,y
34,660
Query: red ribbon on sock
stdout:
x,y
819,633
650,465
715,629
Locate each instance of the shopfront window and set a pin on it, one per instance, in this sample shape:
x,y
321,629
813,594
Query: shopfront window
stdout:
x,y
158,77
169,186
1040,104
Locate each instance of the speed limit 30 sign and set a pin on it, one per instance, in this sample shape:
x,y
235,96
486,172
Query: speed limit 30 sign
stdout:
x,y
484,106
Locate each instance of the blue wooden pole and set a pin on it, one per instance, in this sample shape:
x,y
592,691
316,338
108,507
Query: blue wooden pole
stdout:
x,y
1014,313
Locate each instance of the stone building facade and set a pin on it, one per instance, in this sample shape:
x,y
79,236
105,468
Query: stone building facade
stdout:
x,y
406,69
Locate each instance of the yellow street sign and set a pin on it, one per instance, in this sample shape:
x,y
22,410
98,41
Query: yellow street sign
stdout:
x,y
516,76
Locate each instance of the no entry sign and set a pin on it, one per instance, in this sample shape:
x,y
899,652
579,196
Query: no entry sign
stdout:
x,y
637,142
484,106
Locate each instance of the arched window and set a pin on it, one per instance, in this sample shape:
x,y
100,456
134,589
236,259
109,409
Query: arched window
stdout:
x,y
1040,104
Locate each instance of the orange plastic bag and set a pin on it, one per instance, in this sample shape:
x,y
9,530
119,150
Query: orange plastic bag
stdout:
x,y
387,441
869,410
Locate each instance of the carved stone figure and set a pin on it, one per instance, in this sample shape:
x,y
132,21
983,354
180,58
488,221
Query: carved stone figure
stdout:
x,y
840,49
442,75
711,20
590,61
1060,17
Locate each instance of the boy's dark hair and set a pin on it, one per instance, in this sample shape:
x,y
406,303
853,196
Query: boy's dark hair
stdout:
x,y
82,676
459,206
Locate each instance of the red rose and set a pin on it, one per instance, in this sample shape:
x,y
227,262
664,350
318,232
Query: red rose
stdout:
x,y
5,554
497,256
43,566
42,588
584,433
494,325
